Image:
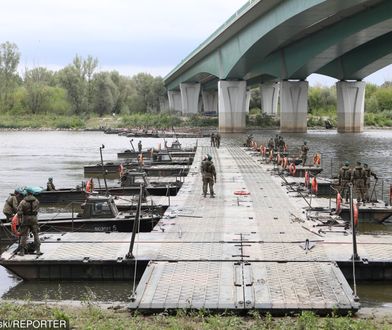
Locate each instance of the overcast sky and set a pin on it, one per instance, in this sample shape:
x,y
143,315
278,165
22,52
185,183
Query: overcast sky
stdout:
x,y
130,36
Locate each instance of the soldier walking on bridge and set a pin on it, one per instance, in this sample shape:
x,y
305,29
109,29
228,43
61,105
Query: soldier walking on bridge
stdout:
x,y
368,174
344,180
209,175
217,140
358,178
213,140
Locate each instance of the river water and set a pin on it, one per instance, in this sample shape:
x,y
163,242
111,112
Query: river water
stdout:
x,y
30,157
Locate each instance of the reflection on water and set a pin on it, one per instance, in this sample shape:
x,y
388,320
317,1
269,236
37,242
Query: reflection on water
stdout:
x,y
29,158
375,294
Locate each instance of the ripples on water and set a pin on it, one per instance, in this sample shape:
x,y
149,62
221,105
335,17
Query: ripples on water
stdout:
x,y
29,158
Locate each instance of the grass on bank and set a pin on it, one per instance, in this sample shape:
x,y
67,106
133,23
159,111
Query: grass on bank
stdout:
x,y
90,316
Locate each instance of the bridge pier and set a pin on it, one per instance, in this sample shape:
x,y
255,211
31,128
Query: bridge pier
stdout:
x,y
174,100
210,101
269,97
293,106
350,106
190,98
232,106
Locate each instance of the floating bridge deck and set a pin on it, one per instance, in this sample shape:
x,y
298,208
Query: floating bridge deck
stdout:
x,y
233,252
237,252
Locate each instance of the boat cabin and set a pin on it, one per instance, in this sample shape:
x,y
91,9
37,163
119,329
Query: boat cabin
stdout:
x,y
133,178
98,206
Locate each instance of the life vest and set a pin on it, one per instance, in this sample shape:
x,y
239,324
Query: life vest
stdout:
x,y
285,148
264,151
355,213
90,185
241,193
140,159
317,159
307,179
271,154
14,226
278,158
292,169
285,162
338,203
121,170
314,185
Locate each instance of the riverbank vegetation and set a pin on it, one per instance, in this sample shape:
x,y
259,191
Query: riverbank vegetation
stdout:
x,y
91,316
81,96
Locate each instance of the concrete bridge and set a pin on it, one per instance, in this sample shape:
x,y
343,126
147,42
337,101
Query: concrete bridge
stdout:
x,y
277,44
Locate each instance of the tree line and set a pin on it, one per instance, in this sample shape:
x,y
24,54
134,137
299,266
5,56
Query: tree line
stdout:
x,y
80,89
77,89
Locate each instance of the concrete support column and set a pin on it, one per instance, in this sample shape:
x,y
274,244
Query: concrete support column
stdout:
x,y
248,96
210,101
174,100
270,98
232,106
190,98
293,106
350,107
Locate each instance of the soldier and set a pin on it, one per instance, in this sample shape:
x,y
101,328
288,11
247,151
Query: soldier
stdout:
x,y
140,146
28,210
358,179
50,185
276,141
218,139
212,140
249,140
304,153
281,144
11,204
344,180
209,176
270,144
368,173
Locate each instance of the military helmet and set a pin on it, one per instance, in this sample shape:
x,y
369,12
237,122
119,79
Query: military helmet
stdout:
x,y
305,142
365,165
209,157
358,163
346,163
50,178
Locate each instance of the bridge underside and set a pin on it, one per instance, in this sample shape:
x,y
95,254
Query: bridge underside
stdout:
x,y
273,41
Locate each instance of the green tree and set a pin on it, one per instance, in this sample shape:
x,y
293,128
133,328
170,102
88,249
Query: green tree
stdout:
x,y
106,93
9,61
36,82
89,66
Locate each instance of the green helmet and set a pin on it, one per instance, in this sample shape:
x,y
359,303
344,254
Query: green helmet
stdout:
x,y
209,157
305,142
346,163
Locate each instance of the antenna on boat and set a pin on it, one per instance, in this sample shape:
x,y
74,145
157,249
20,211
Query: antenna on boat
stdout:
x,y
132,145
135,229
103,169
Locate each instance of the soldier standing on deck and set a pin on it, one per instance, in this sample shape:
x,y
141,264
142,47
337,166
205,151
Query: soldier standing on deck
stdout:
x,y
358,178
140,146
209,176
50,185
28,211
368,174
212,140
270,144
304,153
218,139
11,204
344,180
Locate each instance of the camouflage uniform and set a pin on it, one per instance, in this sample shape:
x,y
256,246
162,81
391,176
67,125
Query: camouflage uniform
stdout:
x,y
140,146
50,185
344,180
276,141
209,176
270,144
304,153
218,139
358,178
368,174
11,206
212,140
28,210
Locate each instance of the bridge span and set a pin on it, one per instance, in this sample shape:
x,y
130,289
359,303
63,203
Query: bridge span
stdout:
x,y
277,44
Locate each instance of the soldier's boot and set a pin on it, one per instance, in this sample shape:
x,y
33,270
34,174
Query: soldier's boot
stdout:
x,y
21,252
38,251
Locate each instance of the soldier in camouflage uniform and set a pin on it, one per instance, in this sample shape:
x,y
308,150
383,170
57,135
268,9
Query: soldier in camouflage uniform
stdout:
x,y
209,176
28,211
50,185
358,178
344,180
304,153
368,174
11,204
